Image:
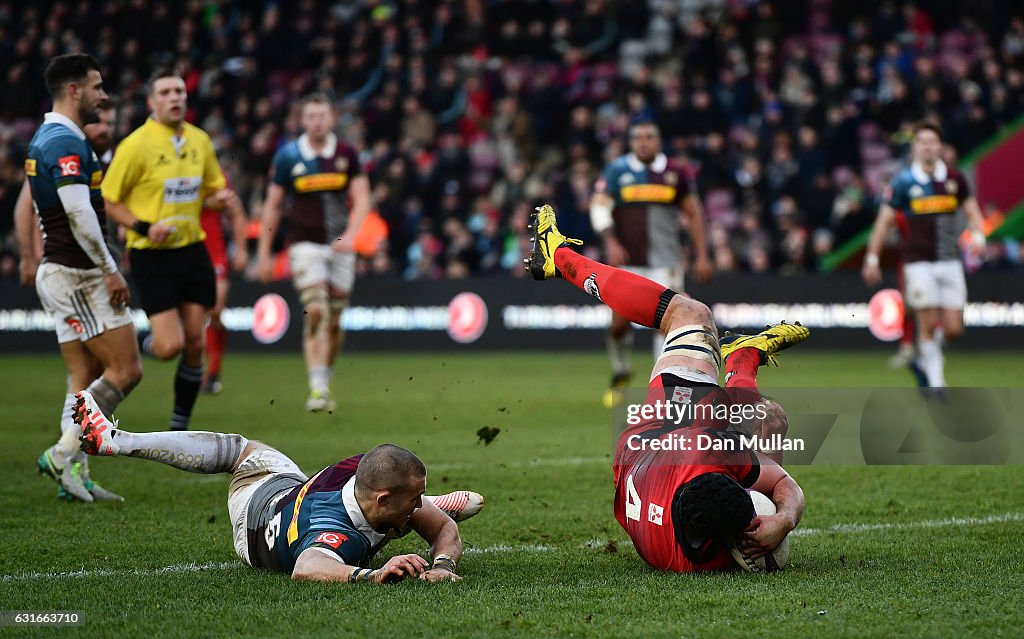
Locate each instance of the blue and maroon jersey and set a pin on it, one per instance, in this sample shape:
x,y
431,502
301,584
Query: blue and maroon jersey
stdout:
x,y
646,211
321,512
930,204
317,186
647,479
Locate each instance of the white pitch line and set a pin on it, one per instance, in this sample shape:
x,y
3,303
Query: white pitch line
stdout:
x,y
528,548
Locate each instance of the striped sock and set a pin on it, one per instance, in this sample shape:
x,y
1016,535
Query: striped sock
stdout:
x,y
186,389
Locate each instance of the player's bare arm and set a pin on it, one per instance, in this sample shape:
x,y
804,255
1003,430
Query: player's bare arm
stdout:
x,y
766,532
269,221
314,565
359,190
975,221
872,271
601,205
442,533
694,212
157,232
26,231
228,201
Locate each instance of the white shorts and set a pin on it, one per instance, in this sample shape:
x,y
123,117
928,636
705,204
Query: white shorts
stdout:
x,y
314,264
935,285
78,301
253,472
669,277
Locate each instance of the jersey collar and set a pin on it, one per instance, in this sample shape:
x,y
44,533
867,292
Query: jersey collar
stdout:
x,y
355,513
941,172
59,118
307,152
658,165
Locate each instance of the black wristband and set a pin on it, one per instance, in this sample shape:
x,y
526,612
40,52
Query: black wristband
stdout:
x,y
142,228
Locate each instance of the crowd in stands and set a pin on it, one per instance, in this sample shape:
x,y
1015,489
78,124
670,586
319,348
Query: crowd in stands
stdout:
x,y
792,114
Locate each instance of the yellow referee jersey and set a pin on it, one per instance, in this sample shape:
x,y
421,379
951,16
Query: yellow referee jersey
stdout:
x,y
164,178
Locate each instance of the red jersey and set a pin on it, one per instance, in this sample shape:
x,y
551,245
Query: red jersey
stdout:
x,y
646,480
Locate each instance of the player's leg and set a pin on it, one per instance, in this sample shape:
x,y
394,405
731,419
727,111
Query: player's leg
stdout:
x,y
310,271
192,451
953,299
341,279
924,298
189,376
216,339
619,345
167,336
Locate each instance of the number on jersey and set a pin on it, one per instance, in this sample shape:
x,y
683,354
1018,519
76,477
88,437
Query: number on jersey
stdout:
x,y
273,527
633,503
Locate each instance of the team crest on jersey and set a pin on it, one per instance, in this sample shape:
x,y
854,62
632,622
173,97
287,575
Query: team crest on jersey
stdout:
x,y
671,178
626,178
30,168
682,395
70,165
951,187
298,169
655,514
96,179
590,286
915,191
341,164
75,325
332,539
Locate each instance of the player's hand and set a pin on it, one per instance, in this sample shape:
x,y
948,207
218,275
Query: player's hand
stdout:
x,y
240,259
399,567
764,534
703,269
27,270
222,199
615,252
346,243
265,269
117,289
159,232
439,574
872,273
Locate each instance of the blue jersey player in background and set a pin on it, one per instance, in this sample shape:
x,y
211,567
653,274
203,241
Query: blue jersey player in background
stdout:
x,y
78,282
326,528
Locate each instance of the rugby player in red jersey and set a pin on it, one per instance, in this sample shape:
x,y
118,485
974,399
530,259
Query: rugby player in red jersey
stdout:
x,y
684,505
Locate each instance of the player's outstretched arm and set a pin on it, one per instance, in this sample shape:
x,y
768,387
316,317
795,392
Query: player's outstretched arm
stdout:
x,y
766,532
313,564
871,271
442,533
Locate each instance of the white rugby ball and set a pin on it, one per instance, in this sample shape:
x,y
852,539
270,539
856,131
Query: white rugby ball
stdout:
x,y
771,562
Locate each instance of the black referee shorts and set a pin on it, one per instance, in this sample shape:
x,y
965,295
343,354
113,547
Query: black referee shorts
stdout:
x,y
165,278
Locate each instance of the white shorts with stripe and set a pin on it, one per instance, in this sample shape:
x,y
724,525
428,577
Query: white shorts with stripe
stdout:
x,y
935,284
313,264
78,301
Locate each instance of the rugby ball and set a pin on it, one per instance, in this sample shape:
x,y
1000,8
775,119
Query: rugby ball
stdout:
x,y
773,561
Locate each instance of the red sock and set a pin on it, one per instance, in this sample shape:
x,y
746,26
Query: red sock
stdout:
x,y
741,369
216,340
636,298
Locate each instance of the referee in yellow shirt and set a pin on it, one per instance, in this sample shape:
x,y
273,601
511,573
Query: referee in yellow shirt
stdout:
x,y
156,186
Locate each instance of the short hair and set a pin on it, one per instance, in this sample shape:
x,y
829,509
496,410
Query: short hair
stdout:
x,y
388,467
317,97
161,72
643,121
928,125
67,68
713,505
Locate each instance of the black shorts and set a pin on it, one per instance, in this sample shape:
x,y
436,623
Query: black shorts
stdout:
x,y
165,278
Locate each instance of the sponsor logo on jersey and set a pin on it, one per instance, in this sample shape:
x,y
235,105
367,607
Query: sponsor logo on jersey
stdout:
x,y
655,513
626,178
341,164
951,187
671,178
298,169
682,395
934,204
70,165
915,191
660,193
30,168
75,325
590,286
96,179
332,539
181,190
321,182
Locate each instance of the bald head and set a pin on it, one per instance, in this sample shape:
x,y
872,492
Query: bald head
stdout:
x,y
388,468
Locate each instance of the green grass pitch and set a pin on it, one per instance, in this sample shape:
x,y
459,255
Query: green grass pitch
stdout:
x,y
544,558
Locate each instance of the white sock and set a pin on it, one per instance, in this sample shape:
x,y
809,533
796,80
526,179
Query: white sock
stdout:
x,y
320,379
69,430
195,451
931,362
620,352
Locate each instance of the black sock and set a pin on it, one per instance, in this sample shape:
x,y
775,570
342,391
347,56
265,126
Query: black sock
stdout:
x,y
186,388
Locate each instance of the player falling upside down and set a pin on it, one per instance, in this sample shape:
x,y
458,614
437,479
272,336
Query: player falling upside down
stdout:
x,y
682,507
324,528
